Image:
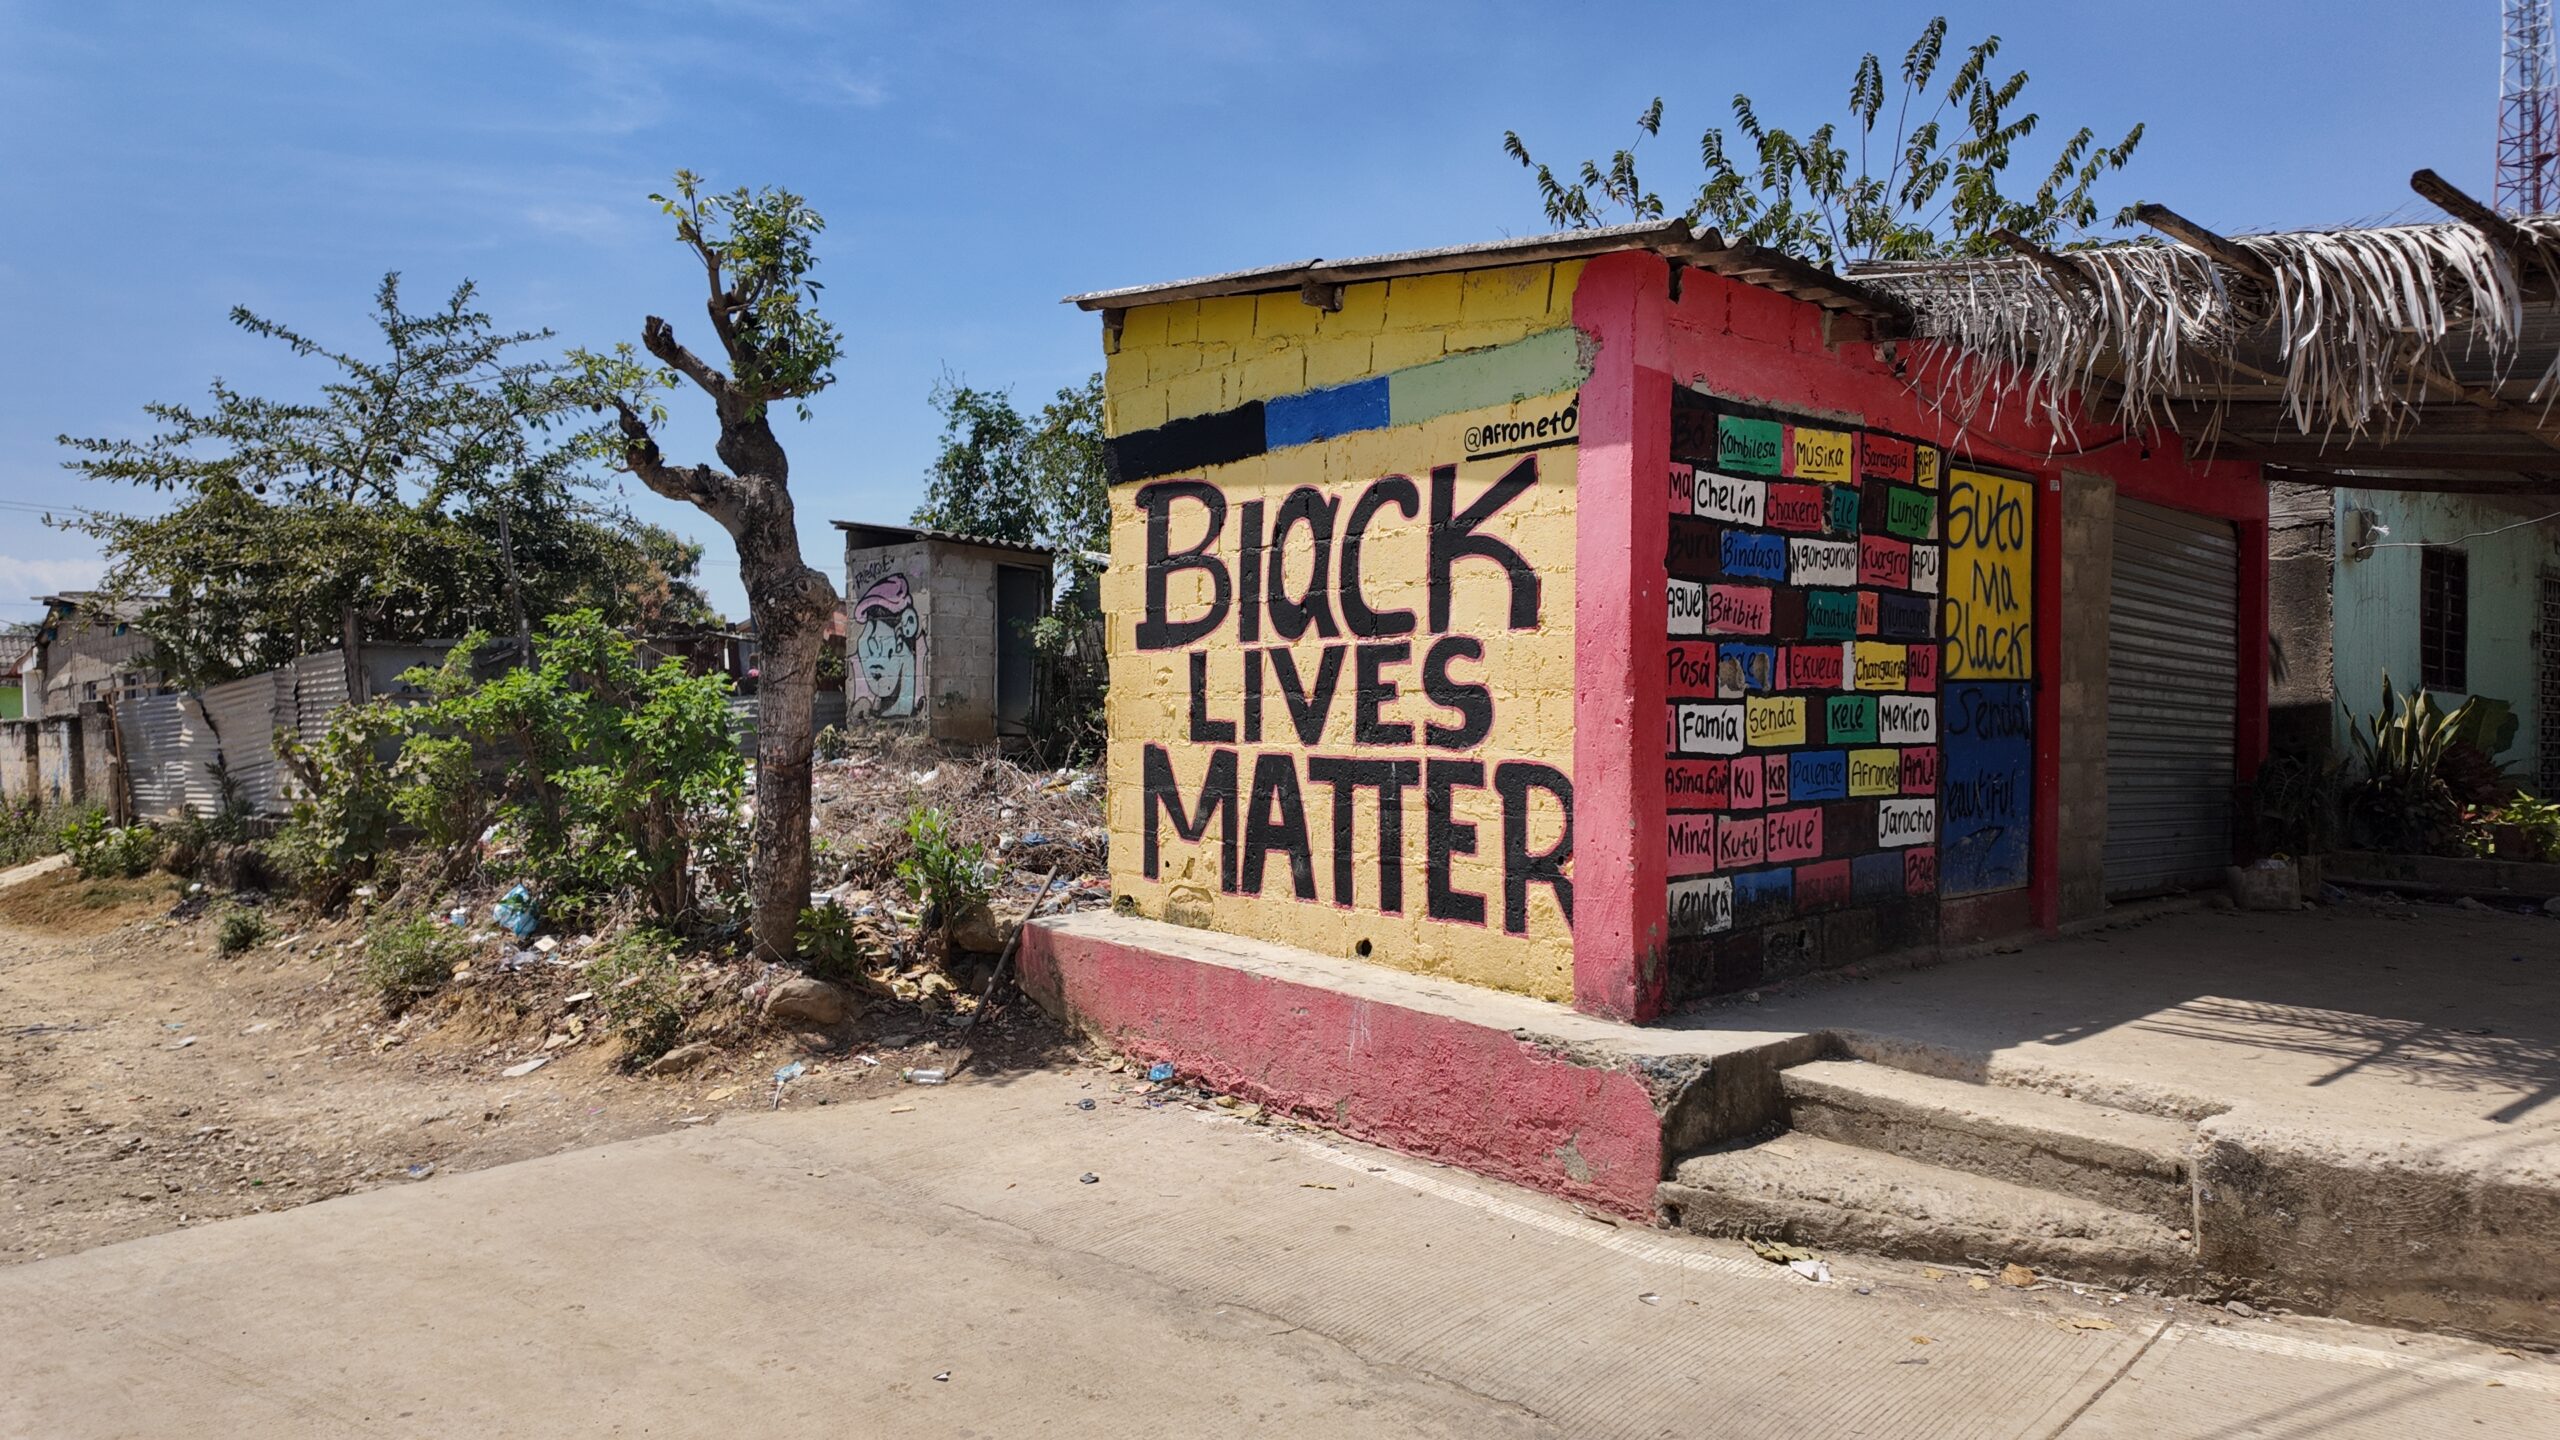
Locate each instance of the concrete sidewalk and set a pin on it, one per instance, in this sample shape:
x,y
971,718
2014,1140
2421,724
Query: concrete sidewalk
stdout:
x,y
824,1272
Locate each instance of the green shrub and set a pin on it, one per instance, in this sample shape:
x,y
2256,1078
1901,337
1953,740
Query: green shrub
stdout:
x,y
831,743
240,929
943,874
640,988
2403,803
829,948
407,960
102,851
31,832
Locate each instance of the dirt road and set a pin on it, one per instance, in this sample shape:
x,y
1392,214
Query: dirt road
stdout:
x,y
149,1083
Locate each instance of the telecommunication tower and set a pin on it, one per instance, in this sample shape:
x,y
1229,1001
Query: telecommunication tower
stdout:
x,y
2528,111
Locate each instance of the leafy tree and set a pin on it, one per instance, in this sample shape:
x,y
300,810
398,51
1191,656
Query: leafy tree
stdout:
x,y
1820,196
428,489
1033,480
756,249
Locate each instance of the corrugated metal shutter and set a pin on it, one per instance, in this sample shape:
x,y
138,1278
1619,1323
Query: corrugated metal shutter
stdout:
x,y
2172,688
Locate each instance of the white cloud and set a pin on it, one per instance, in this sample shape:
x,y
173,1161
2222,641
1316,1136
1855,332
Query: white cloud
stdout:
x,y
22,578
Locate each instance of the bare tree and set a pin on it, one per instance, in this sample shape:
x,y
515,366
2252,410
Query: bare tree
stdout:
x,y
756,251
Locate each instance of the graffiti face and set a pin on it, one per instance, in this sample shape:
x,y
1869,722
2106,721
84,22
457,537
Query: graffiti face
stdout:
x,y
885,652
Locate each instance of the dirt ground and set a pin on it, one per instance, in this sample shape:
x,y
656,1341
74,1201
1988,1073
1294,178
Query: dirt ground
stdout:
x,y
148,1083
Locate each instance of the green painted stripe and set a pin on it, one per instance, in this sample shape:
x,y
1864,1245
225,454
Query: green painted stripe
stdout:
x,y
1543,364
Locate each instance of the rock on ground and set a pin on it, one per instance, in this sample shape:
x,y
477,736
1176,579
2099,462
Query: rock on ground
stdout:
x,y
804,998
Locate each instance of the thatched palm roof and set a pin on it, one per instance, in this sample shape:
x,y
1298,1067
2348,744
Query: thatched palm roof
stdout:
x,y
2420,355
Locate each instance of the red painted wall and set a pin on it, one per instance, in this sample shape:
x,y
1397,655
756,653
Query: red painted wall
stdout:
x,y
1753,345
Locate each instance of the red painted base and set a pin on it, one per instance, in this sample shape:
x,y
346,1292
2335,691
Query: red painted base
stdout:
x,y
1433,1084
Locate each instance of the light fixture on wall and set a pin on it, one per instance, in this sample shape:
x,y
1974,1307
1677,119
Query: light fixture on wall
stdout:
x,y
2361,531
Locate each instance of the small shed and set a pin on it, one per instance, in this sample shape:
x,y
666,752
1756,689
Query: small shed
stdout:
x,y
938,630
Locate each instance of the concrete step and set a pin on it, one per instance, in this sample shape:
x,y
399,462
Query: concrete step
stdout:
x,y
2050,1142
1813,1191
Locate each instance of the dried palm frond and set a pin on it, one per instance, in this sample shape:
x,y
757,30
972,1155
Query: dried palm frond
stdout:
x,y
2347,322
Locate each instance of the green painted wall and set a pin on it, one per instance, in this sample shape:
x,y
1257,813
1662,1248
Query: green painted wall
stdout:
x,y
2374,606
10,705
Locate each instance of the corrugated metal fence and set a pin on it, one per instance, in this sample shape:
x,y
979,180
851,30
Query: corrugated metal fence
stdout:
x,y
178,748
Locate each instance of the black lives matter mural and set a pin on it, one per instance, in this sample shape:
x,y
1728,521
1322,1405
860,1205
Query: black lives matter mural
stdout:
x,y
1337,745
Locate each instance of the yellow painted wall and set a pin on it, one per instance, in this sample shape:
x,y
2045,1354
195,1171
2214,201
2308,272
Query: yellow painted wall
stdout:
x,y
1194,357
1180,360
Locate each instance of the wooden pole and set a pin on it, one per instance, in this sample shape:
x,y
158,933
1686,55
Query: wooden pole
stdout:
x,y
2186,232
2441,193
2051,264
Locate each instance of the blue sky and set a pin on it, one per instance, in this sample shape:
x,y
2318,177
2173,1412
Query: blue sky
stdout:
x,y
163,162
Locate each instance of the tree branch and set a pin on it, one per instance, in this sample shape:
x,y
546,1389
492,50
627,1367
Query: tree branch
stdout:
x,y
660,338
700,486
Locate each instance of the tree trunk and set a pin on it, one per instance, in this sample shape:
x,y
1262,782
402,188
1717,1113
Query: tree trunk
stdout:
x,y
790,604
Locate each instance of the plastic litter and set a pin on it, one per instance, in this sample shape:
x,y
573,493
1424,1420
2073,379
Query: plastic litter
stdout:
x,y
1819,1272
1160,1072
1085,1104
915,1076
1088,1178
1035,838
457,916
518,1072
790,1072
515,910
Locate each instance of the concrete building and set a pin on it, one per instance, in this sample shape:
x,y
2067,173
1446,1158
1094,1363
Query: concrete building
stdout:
x,y
938,631
87,648
17,652
1567,618
2459,593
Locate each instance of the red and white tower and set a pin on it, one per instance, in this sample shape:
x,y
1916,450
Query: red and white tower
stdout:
x,y
2528,111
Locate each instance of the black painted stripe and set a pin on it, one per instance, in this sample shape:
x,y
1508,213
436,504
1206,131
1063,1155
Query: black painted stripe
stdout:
x,y
1183,446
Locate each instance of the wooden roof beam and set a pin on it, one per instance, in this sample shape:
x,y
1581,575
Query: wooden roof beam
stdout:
x,y
2068,274
2225,252
2440,192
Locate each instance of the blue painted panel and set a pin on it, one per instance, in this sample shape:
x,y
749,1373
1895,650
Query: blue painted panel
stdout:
x,y
1986,785
1817,775
1877,876
1322,414
1753,556
1761,896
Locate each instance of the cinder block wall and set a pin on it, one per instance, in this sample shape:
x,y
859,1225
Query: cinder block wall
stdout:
x,y
2088,573
1377,765
1171,362
962,671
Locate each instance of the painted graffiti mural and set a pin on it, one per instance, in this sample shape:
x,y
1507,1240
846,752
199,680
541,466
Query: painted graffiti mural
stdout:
x,y
1989,604
887,646
1811,760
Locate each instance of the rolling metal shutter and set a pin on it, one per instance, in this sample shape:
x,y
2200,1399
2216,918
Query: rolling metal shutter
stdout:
x,y
2172,687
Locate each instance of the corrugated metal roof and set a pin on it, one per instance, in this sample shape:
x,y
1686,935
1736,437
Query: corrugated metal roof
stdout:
x,y
952,537
1671,239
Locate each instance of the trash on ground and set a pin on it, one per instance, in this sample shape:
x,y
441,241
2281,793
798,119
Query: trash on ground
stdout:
x,y
1088,1178
421,1172
1816,1271
1085,1104
518,1072
1160,1072
2016,1276
915,1076
1650,1298
515,910
1778,1252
